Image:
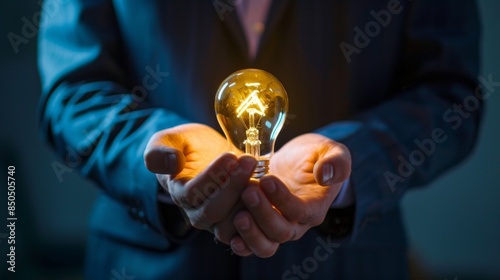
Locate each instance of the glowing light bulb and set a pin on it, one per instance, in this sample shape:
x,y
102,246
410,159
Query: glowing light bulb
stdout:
x,y
251,107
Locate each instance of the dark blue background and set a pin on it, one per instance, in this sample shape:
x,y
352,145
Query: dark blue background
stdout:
x,y
453,225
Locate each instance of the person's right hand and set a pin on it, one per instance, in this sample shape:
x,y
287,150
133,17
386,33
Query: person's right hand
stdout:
x,y
191,162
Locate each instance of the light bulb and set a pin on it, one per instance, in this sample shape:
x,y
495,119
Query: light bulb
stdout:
x,y
251,107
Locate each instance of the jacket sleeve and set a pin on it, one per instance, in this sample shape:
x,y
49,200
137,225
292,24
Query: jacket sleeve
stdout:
x,y
432,120
90,113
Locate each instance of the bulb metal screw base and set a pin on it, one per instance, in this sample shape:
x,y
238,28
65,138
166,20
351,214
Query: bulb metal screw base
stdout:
x,y
261,169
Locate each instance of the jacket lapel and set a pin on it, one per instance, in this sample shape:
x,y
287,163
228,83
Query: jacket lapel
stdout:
x,y
232,22
276,12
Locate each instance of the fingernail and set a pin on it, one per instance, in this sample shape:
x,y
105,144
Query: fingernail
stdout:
x,y
251,199
328,172
171,163
268,186
238,245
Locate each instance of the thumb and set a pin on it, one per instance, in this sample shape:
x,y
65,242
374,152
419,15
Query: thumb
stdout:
x,y
334,166
163,154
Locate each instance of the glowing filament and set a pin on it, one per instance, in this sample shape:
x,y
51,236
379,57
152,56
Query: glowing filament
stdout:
x,y
252,105
252,99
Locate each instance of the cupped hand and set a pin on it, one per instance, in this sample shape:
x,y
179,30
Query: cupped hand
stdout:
x,y
191,163
307,174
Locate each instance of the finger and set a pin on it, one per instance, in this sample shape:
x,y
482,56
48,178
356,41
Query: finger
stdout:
x,y
333,167
253,237
239,247
218,187
276,227
163,155
226,173
224,231
289,205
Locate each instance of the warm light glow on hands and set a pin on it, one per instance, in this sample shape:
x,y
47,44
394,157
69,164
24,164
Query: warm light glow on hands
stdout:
x,y
251,107
307,175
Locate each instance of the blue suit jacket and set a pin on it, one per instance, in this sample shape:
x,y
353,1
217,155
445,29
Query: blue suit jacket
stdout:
x,y
388,79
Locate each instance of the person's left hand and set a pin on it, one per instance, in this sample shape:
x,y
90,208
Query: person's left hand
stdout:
x,y
307,174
